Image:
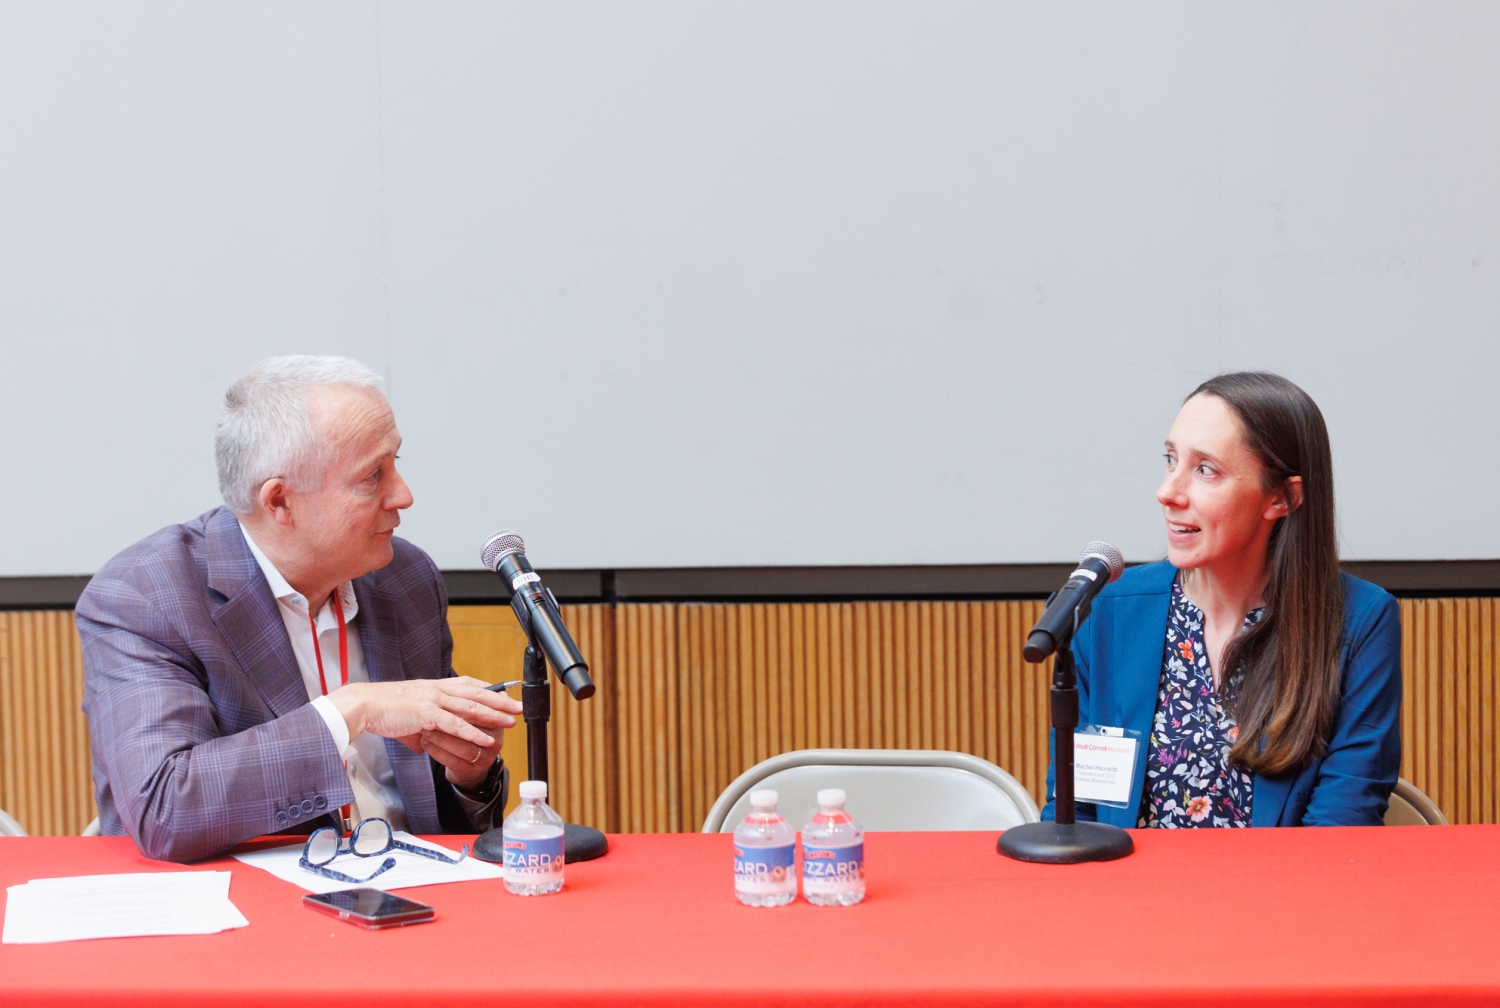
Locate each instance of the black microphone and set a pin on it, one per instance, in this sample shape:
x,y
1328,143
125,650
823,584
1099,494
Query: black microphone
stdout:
x,y
1100,564
536,607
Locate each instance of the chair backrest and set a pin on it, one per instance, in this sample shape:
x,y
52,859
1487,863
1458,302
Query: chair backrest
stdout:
x,y
1410,807
888,789
8,826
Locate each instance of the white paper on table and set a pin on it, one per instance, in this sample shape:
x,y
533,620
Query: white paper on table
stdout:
x,y
410,870
119,906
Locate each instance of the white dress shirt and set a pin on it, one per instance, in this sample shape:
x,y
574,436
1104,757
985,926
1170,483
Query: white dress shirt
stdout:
x,y
370,774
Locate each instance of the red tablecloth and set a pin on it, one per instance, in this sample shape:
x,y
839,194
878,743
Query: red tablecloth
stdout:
x,y
1376,916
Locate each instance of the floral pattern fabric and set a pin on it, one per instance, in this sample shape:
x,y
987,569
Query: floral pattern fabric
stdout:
x,y
1189,780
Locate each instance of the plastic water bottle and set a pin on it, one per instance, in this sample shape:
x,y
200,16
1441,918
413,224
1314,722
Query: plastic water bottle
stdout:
x,y
765,849
833,854
532,837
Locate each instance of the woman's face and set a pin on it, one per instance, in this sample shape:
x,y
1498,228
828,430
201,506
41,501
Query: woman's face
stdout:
x,y
1216,510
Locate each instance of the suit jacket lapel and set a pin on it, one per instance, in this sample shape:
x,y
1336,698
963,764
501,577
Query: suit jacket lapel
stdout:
x,y
380,636
249,618
1142,620
379,632
1139,624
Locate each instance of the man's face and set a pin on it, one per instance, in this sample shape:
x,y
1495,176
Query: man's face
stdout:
x,y
346,524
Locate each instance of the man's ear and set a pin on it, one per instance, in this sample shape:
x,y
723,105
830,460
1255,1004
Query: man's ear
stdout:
x,y
1289,500
274,502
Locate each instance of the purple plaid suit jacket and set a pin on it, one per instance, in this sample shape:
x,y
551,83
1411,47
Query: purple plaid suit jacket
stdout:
x,y
200,724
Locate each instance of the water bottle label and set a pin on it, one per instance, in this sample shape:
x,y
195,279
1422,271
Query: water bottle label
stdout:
x,y
827,871
533,862
764,870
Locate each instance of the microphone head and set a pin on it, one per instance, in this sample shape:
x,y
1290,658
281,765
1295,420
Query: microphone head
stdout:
x,y
499,546
1104,551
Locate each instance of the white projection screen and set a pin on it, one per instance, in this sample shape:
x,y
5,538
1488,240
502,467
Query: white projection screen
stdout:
x,y
774,283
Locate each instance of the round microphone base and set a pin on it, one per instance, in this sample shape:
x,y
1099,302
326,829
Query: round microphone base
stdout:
x,y
583,843
580,843
490,846
1054,843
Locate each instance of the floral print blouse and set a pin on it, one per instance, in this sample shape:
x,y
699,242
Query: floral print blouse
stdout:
x,y
1189,780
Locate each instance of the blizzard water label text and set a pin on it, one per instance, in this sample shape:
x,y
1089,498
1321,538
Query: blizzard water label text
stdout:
x,y
832,869
533,860
764,869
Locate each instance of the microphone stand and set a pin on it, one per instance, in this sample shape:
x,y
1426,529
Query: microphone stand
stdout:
x,y
1065,841
580,843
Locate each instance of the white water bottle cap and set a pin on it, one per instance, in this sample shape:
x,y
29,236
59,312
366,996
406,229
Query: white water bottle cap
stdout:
x,y
764,799
533,790
831,797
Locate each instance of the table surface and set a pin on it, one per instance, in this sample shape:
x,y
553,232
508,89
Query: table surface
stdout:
x,y
1371,915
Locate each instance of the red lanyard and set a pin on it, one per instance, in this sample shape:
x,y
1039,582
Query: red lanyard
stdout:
x,y
338,611
344,815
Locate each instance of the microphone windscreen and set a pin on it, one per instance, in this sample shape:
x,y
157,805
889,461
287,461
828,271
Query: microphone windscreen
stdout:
x,y
499,546
1104,551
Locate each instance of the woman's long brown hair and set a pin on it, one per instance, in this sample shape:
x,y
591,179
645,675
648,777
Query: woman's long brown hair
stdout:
x,y
1283,686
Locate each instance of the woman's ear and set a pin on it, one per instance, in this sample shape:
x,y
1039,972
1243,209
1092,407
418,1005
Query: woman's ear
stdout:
x,y
1289,500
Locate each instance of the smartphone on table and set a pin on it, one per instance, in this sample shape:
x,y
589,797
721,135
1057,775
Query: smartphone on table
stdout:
x,y
370,908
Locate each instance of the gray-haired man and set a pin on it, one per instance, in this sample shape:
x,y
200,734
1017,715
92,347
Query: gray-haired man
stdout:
x,y
284,662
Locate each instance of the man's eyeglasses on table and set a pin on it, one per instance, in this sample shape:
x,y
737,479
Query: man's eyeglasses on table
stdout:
x,y
371,838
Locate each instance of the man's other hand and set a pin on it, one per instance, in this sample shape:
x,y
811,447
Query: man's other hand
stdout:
x,y
466,764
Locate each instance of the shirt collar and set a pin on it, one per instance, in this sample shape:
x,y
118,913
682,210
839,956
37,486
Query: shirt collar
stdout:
x,y
284,592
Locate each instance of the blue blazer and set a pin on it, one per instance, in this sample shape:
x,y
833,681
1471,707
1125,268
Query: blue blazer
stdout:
x,y
1118,652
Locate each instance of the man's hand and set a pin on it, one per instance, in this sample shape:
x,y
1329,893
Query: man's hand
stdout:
x,y
466,765
460,708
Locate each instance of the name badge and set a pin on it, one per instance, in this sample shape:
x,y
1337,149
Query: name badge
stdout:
x,y
1104,762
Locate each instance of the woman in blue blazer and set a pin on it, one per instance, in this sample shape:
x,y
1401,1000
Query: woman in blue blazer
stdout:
x,y
1305,728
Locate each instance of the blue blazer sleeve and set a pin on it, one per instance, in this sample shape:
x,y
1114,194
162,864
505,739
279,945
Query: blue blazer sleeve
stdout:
x,y
1353,783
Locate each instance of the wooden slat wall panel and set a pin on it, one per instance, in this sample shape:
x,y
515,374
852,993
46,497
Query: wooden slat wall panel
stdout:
x,y
44,744
647,713
691,695
580,739
751,681
1449,712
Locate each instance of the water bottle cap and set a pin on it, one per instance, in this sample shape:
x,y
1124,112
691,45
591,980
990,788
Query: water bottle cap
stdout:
x,y
533,790
831,797
764,799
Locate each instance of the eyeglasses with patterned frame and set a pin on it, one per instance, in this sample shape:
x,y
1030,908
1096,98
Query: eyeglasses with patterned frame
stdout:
x,y
370,838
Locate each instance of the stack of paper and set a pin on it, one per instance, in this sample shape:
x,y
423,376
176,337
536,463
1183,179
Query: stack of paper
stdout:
x,y
410,870
119,906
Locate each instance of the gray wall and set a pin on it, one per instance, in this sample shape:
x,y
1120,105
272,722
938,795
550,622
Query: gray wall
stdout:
x,y
681,284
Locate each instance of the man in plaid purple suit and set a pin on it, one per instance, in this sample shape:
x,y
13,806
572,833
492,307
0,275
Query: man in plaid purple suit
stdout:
x,y
284,662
